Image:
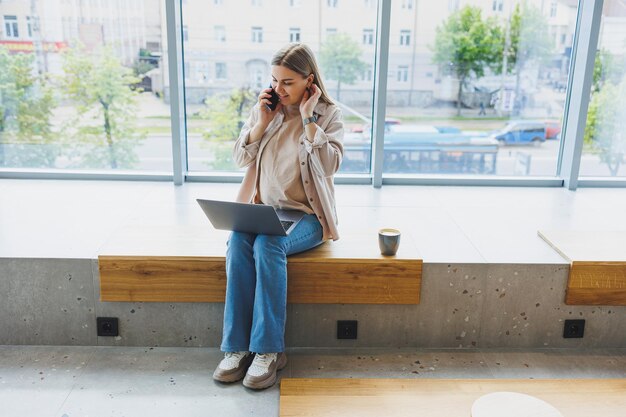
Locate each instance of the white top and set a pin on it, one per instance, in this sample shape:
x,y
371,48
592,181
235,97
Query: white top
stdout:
x,y
280,180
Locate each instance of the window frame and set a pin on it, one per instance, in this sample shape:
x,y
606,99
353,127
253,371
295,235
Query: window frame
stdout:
x,y
221,70
256,34
11,26
220,33
295,34
368,36
405,37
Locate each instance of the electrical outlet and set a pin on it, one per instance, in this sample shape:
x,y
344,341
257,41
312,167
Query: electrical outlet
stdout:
x,y
107,326
347,329
574,329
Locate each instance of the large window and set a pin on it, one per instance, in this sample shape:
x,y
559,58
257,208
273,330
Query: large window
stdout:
x,y
82,87
604,148
474,88
479,88
217,108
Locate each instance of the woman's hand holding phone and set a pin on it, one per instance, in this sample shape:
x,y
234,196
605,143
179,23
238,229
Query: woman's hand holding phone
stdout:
x,y
269,105
265,115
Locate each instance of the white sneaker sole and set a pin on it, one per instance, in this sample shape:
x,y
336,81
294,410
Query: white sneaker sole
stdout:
x,y
271,378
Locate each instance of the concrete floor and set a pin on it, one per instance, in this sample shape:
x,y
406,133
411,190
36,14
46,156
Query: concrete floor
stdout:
x,y
63,381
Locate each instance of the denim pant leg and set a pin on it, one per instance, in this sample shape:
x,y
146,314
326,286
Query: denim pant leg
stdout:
x,y
240,284
270,302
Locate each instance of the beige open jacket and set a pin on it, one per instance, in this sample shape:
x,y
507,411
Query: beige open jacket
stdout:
x,y
319,161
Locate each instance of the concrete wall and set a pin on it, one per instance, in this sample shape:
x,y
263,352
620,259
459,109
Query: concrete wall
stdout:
x,y
55,302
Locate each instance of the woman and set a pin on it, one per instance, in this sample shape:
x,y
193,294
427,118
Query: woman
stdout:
x,y
292,154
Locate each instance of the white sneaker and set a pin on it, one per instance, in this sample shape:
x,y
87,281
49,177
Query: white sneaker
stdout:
x,y
262,373
233,367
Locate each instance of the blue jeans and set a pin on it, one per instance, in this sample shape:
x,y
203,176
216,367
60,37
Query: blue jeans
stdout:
x,y
256,286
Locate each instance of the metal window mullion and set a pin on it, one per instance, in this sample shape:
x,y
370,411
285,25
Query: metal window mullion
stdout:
x,y
380,91
581,74
173,18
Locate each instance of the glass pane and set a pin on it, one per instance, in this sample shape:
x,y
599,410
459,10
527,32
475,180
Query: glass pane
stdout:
x,y
229,50
81,86
604,149
477,87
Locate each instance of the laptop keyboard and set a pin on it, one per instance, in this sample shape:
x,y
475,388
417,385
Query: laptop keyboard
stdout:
x,y
286,224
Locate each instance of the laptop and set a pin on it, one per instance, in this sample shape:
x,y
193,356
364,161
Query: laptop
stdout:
x,y
250,218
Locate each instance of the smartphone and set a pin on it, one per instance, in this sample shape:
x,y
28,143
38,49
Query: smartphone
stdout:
x,y
274,99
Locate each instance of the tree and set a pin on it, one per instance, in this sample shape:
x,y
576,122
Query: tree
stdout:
x,y
140,68
529,42
26,103
605,69
466,45
226,114
103,132
604,128
340,59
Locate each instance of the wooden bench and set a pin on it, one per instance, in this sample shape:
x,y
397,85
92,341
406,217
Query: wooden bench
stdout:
x,y
597,259
186,263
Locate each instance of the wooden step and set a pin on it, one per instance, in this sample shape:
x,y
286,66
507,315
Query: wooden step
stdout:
x,y
350,270
301,397
598,265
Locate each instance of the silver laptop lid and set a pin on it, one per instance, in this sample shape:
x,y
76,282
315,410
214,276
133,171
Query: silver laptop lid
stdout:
x,y
249,218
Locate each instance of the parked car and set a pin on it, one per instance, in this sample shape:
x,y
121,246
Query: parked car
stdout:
x,y
552,129
521,133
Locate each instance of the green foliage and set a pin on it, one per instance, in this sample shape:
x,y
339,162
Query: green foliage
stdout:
x,y
529,42
466,45
103,133
529,39
605,69
26,103
226,114
340,60
140,67
604,131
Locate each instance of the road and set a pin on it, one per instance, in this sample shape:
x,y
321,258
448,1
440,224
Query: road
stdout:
x,y
155,154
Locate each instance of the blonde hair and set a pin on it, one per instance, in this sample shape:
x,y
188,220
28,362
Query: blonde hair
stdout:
x,y
299,58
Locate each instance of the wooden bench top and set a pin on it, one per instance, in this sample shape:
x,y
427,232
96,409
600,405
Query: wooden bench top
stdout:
x,y
598,265
185,263
429,397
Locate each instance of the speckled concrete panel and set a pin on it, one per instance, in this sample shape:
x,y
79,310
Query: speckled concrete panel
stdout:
x,y
161,324
163,382
450,311
524,307
388,363
36,380
46,302
449,315
556,363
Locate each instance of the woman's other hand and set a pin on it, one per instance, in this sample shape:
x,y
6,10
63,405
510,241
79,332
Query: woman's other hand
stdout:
x,y
309,101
